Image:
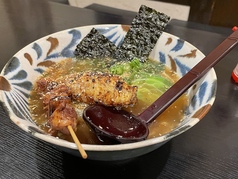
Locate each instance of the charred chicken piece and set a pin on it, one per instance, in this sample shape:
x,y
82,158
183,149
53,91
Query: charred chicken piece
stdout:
x,y
61,115
103,88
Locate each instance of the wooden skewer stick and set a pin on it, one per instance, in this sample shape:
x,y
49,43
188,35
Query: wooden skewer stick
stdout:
x,y
75,138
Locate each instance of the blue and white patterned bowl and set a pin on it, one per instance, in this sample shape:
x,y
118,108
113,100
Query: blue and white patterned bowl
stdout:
x,y
19,74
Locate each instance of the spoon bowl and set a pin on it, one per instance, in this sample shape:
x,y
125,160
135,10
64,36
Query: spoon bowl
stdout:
x,y
124,127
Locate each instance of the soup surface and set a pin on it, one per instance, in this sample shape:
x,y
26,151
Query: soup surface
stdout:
x,y
151,77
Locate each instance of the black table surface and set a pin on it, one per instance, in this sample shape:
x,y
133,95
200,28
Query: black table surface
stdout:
x,y
208,150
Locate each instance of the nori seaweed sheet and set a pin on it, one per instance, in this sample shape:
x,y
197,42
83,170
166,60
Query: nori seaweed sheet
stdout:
x,y
143,34
95,45
145,30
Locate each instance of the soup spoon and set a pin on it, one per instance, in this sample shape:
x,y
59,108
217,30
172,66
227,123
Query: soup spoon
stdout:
x,y
124,127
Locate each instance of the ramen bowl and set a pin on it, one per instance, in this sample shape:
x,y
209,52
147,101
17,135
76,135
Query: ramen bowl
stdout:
x,y
22,70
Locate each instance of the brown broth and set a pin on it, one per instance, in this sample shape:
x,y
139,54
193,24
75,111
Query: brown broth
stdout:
x,y
166,122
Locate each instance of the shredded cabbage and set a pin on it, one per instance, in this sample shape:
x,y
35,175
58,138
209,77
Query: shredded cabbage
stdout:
x,y
144,75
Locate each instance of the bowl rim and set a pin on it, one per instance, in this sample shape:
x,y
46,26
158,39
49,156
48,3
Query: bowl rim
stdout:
x,y
96,147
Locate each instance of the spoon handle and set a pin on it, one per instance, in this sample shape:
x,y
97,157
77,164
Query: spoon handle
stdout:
x,y
196,73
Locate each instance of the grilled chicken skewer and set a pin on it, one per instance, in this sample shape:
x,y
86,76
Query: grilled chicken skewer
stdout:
x,y
63,117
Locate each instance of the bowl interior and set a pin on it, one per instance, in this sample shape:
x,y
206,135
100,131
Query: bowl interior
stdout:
x,y
19,74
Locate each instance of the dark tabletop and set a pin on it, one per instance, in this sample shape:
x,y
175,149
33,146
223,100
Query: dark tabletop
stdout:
x,y
208,150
